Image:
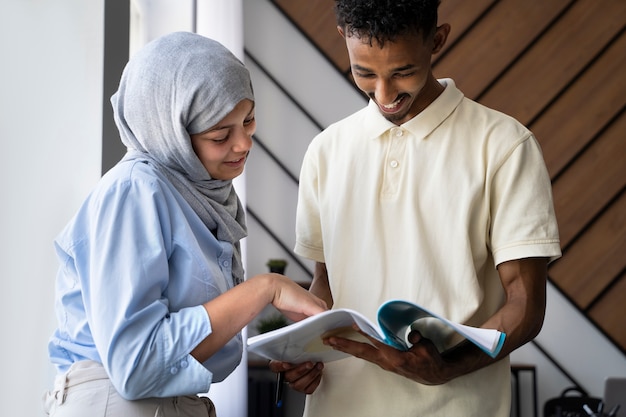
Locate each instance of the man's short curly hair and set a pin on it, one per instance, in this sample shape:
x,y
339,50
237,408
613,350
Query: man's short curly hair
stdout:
x,y
385,20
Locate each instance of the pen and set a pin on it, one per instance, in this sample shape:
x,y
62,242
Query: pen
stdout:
x,y
279,389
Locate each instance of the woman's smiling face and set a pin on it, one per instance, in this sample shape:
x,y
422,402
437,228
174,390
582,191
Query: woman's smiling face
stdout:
x,y
223,148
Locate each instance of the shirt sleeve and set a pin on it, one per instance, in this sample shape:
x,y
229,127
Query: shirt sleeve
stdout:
x,y
523,222
123,268
308,223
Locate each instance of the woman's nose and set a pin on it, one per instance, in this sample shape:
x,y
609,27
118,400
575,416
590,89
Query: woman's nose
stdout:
x,y
243,140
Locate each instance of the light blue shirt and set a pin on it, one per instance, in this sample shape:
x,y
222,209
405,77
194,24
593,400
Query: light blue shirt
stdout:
x,y
136,265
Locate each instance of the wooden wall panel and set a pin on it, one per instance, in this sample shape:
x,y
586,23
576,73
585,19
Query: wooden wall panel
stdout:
x,y
610,312
557,66
584,109
495,42
461,15
553,63
316,20
593,262
595,178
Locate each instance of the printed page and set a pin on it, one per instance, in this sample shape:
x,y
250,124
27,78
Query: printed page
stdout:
x,y
302,341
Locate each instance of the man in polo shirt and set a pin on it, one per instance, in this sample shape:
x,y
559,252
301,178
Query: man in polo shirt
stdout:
x,y
427,196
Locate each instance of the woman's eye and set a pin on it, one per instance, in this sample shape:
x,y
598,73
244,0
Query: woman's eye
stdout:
x,y
248,121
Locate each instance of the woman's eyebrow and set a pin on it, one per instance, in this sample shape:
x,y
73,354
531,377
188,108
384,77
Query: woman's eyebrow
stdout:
x,y
220,126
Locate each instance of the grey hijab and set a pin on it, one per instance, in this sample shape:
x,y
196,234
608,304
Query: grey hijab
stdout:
x,y
177,85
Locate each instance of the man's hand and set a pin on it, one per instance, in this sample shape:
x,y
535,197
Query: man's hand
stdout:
x,y
304,377
421,363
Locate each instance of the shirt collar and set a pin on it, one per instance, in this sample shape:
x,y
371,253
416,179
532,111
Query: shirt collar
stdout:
x,y
426,121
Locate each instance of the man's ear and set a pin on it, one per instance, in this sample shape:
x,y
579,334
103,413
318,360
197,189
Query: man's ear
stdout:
x,y
440,37
341,32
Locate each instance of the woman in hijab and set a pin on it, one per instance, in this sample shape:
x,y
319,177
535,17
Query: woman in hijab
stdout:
x,y
150,296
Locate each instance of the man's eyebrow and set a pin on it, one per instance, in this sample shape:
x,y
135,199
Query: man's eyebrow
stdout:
x,y
398,69
360,68
405,67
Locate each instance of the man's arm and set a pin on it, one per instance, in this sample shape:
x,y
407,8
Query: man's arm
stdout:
x,y
320,286
521,318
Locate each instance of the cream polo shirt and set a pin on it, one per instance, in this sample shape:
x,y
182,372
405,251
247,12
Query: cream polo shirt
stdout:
x,y
424,212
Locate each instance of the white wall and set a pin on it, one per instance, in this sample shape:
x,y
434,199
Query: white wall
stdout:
x,y
50,130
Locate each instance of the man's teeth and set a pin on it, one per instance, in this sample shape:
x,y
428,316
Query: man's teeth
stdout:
x,y
392,105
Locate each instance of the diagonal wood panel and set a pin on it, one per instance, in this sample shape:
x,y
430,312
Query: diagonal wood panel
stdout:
x,y
556,66
495,42
598,89
582,199
583,191
552,64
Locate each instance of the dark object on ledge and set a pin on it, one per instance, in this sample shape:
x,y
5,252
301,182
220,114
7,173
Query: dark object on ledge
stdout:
x,y
277,265
570,406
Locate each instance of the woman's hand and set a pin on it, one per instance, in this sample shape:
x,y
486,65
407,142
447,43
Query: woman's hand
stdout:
x,y
292,300
237,307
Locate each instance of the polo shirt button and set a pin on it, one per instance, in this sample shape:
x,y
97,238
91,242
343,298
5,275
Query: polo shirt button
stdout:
x,y
394,164
173,370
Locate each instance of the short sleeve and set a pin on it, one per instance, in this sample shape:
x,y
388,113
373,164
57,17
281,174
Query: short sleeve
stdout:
x,y
523,222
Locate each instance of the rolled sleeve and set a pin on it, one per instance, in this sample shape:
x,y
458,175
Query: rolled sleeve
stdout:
x,y
137,267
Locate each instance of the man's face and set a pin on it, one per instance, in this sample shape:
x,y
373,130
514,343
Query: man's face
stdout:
x,y
397,77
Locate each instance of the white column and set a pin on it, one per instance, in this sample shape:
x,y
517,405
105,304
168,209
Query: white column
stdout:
x,y
222,20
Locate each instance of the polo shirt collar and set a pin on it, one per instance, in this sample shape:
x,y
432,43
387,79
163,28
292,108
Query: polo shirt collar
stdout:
x,y
426,121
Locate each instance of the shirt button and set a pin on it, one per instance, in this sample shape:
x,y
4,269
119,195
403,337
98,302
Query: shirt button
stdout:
x,y
173,370
394,164
397,132
225,264
184,364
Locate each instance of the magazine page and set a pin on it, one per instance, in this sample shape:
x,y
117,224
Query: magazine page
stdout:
x,y
397,318
302,341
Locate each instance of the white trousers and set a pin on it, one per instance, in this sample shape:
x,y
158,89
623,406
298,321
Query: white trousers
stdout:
x,y
85,390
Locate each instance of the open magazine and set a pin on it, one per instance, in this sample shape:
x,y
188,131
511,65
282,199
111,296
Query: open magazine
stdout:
x,y
302,341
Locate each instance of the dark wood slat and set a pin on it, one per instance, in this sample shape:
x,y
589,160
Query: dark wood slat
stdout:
x,y
591,182
610,312
584,109
493,44
557,58
461,15
592,263
316,19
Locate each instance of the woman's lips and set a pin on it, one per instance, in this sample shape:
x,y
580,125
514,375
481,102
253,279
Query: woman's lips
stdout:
x,y
236,163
